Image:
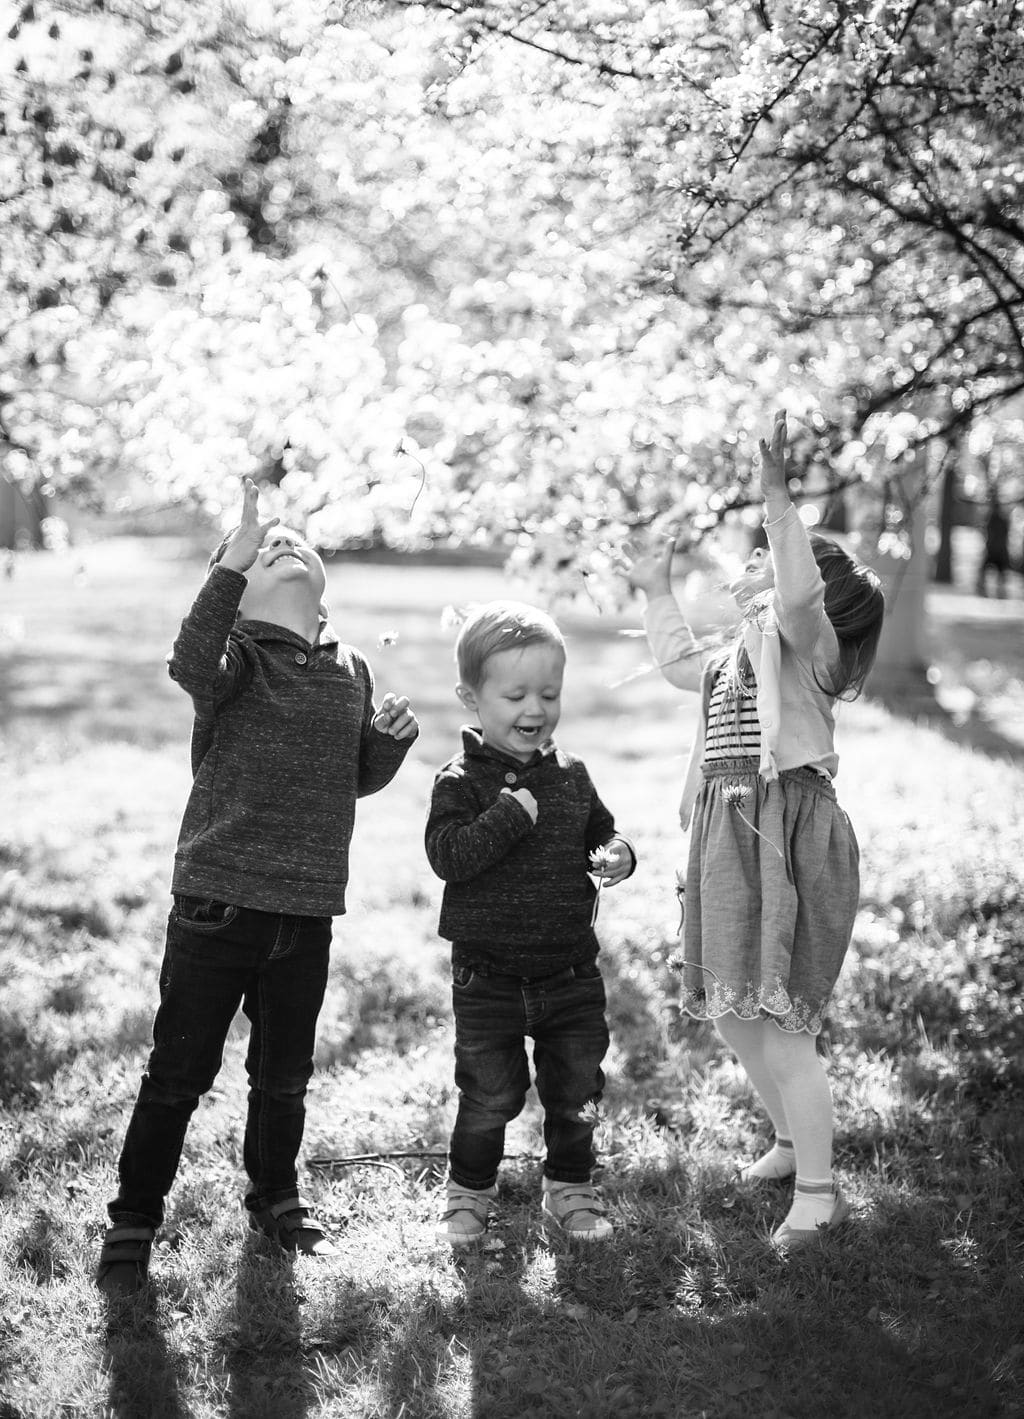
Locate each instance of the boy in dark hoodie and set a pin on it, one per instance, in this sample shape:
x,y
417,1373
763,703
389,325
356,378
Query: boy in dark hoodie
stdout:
x,y
286,737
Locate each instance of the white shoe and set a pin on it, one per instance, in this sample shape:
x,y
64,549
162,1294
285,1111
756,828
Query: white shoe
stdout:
x,y
466,1214
576,1210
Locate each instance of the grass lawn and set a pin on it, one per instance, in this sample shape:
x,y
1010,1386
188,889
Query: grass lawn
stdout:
x,y
912,1311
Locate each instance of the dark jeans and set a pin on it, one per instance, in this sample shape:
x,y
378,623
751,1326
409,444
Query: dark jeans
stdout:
x,y
564,1014
218,957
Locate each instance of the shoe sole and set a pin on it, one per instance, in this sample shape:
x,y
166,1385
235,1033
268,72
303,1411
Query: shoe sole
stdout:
x,y
553,1227
460,1242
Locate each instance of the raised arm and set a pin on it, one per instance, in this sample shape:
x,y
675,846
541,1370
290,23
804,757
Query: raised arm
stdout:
x,y
799,590
202,661
672,642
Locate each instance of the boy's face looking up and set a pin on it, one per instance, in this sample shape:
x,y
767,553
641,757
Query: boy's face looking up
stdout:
x,y
287,569
518,700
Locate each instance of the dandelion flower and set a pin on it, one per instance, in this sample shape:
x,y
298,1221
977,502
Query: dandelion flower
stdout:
x,y
602,859
452,617
736,793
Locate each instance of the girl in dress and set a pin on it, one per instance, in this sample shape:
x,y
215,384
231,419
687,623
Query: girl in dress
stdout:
x,y
772,877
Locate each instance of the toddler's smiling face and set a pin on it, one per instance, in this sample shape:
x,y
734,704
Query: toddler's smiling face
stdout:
x,y
518,702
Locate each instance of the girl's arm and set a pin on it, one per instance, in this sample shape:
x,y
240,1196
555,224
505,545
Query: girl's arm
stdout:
x,y
799,589
669,635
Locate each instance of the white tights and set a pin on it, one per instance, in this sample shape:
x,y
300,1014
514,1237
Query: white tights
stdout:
x,y
790,1080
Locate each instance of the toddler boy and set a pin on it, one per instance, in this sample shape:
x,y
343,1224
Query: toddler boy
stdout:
x,y
513,824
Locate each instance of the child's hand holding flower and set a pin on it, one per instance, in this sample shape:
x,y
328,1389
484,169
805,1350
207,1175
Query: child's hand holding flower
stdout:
x,y
612,863
609,864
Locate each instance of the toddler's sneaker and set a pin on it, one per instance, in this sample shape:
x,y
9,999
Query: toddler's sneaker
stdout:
x,y
576,1210
466,1213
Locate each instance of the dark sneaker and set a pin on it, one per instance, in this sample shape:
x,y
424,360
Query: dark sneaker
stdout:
x,y
292,1225
124,1260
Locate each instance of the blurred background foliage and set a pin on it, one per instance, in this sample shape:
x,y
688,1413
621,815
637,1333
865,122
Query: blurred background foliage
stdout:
x,y
515,273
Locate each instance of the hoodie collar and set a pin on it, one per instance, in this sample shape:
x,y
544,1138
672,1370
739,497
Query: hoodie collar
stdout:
x,y
473,744
269,631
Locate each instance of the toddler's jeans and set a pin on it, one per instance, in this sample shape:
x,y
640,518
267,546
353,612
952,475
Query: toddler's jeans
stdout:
x,y
218,957
564,1013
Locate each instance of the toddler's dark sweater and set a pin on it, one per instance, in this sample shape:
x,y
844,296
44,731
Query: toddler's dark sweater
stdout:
x,y
282,746
517,897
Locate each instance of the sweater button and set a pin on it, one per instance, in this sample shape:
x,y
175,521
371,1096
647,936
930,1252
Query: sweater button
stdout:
x,y
510,778
301,658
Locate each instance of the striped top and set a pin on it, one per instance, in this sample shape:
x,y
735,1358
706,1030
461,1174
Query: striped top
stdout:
x,y
729,735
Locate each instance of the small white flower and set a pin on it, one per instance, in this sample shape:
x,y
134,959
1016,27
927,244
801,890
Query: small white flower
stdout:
x,y
591,1113
602,858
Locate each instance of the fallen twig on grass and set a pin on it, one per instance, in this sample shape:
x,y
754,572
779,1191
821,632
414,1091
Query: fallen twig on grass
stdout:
x,y
388,1159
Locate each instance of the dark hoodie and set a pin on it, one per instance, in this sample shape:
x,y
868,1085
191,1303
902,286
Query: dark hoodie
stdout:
x,y
517,897
282,746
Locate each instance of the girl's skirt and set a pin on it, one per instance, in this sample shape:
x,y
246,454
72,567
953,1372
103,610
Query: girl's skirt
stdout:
x,y
772,885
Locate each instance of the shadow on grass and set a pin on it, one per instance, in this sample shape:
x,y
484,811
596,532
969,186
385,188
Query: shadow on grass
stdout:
x,y
143,1379
261,1338
665,1322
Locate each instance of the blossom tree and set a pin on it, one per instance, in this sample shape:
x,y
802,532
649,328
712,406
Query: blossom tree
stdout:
x,y
529,273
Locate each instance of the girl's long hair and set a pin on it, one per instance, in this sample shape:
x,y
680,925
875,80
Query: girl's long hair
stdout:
x,y
855,605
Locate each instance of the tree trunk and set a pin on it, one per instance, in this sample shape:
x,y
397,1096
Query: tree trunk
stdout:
x,y
900,677
20,516
943,571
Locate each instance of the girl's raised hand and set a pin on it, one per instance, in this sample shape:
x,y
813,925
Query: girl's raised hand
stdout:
x,y
651,572
247,539
773,460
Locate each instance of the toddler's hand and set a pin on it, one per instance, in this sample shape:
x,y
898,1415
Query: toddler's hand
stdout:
x,y
394,717
612,863
773,460
526,798
651,573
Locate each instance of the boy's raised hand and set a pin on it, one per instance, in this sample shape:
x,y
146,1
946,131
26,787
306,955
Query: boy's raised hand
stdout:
x,y
247,539
394,717
773,461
